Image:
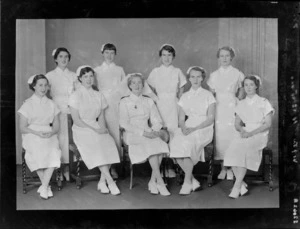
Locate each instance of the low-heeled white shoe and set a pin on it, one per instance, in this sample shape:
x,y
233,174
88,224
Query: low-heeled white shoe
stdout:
x,y
49,191
229,174
102,187
245,184
244,190
186,189
235,193
222,174
114,189
171,173
114,173
44,192
152,188
196,185
162,189
39,189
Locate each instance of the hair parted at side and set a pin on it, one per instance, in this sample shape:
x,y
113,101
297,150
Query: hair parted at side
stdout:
x,y
61,49
35,79
108,46
227,48
168,48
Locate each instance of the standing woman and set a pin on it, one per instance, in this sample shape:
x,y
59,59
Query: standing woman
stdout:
x,y
97,148
39,138
109,77
198,105
226,83
62,82
253,120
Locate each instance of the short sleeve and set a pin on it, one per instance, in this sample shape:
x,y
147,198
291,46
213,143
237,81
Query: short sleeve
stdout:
x,y
181,101
182,79
122,74
268,108
104,104
210,99
74,100
25,110
151,78
237,109
241,77
210,81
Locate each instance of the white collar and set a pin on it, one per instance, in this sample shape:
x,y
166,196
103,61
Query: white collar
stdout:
x,y
167,68
225,70
251,100
195,92
105,65
60,71
134,97
38,99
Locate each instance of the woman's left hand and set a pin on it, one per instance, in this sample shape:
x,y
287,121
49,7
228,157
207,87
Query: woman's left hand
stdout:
x,y
245,134
48,134
189,130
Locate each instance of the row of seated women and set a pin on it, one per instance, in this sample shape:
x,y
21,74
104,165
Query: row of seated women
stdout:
x,y
241,127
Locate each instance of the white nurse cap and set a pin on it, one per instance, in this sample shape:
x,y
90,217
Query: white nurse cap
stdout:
x,y
190,68
258,78
53,52
166,45
30,80
81,67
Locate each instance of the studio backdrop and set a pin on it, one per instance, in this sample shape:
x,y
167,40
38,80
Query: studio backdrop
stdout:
x,y
196,41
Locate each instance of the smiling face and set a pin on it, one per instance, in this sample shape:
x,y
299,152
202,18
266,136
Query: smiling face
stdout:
x,y
166,57
109,55
62,59
41,87
136,85
250,87
225,58
196,79
87,79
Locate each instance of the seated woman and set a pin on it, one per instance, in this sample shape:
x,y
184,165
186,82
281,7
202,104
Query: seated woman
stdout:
x,y
144,141
196,132
39,138
252,121
97,148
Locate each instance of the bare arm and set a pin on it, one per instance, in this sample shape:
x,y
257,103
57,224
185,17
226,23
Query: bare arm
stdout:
x,y
180,92
241,93
210,117
23,125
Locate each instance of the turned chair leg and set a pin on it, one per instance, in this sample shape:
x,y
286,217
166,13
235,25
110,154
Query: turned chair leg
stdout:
x,y
270,171
24,172
78,179
58,180
210,172
131,176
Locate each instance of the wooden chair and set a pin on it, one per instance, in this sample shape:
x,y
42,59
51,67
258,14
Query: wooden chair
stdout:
x,y
75,170
126,159
33,180
260,177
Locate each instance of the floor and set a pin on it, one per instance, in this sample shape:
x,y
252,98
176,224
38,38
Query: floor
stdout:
x,y
88,197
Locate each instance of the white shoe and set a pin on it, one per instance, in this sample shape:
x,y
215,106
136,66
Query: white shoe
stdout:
x,y
222,174
235,193
114,189
245,184
162,189
49,192
186,189
229,174
44,192
102,187
114,173
39,189
196,184
244,190
152,188
171,173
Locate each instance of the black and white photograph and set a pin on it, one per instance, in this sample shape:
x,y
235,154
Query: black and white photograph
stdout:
x,y
149,116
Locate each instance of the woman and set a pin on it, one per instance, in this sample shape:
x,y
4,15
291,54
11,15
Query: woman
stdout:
x,y
196,131
144,141
39,138
253,120
97,148
168,83
63,83
109,77
226,84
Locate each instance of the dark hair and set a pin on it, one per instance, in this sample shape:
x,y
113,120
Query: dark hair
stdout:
x,y
254,79
35,79
136,75
168,48
61,49
198,69
109,46
83,71
227,48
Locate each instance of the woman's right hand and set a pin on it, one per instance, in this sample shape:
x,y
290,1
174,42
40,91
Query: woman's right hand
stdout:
x,y
101,131
43,134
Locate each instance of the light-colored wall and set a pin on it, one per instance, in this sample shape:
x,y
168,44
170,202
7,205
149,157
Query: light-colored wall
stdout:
x,y
196,41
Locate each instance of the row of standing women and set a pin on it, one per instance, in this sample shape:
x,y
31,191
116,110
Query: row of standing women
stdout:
x,y
241,127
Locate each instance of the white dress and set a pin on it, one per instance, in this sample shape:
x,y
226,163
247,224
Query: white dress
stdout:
x,y
195,105
225,82
95,149
109,78
40,153
134,115
166,81
247,152
62,85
